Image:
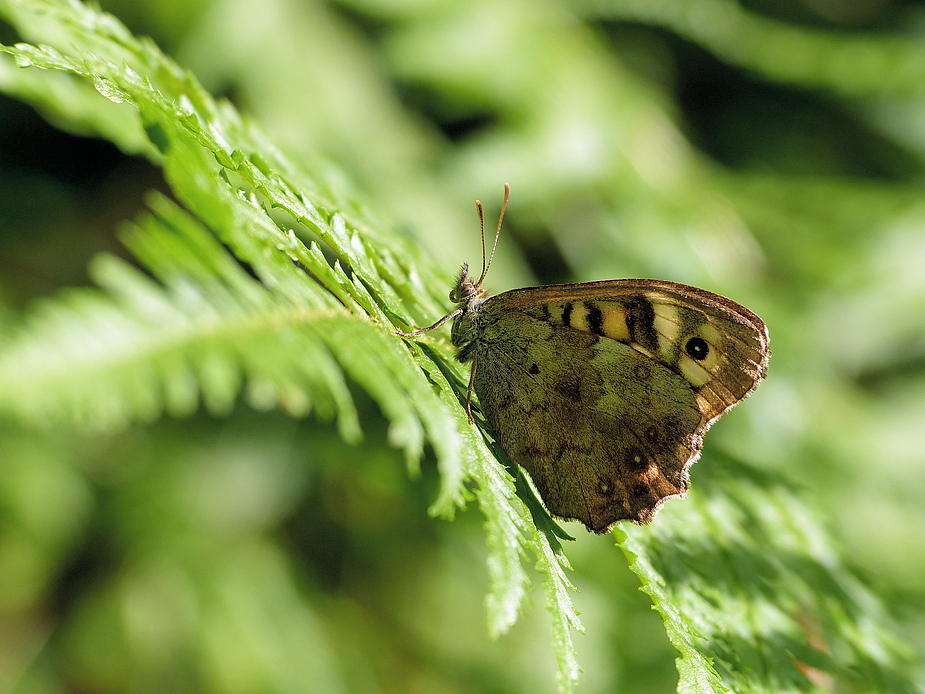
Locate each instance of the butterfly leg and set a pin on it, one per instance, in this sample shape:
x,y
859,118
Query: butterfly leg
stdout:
x,y
436,325
475,362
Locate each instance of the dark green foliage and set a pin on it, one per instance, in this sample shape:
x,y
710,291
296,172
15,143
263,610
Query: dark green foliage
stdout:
x,y
199,489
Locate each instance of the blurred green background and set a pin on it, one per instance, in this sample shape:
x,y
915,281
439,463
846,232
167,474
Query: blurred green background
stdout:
x,y
772,152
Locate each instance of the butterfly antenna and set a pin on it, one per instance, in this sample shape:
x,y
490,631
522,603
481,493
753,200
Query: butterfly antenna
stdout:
x,y
478,205
485,266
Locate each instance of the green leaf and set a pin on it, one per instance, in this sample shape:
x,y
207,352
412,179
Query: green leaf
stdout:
x,y
313,311
754,596
856,64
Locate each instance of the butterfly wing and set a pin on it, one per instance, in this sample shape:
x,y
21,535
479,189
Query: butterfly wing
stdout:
x,y
603,391
660,319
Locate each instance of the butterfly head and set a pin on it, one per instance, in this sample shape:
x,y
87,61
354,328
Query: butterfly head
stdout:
x,y
465,289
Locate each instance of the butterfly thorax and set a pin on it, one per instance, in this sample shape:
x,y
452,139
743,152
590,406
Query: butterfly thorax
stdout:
x,y
469,295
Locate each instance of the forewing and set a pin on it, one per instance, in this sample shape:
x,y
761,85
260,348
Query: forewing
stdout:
x,y
664,321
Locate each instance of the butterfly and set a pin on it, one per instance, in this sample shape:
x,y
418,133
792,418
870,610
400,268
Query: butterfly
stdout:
x,y
602,391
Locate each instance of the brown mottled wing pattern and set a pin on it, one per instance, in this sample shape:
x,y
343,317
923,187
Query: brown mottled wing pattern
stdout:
x,y
603,391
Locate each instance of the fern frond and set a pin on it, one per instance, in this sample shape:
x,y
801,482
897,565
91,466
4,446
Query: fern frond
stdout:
x,y
754,596
264,282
